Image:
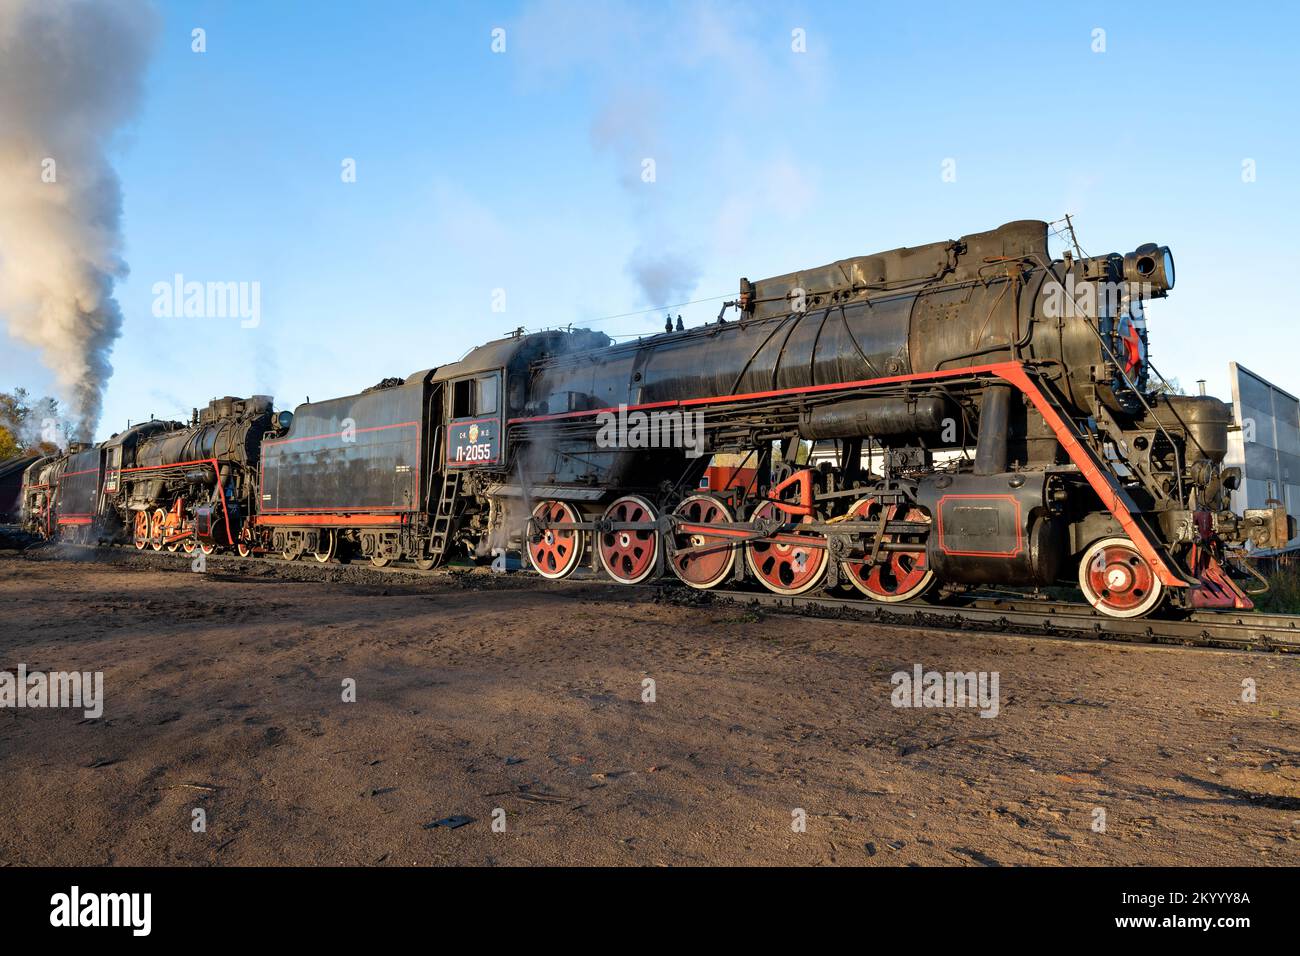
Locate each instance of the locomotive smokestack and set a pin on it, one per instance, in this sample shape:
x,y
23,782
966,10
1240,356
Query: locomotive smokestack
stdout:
x,y
70,75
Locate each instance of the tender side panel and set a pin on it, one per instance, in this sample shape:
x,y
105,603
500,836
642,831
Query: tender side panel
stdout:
x,y
78,499
356,454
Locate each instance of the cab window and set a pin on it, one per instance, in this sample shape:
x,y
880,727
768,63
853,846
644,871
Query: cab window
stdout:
x,y
476,396
486,397
462,398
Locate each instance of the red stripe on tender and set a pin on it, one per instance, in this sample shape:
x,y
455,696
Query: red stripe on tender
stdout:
x,y
375,428
342,521
338,509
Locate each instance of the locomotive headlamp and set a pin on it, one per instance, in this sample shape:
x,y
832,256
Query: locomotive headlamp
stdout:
x,y
1151,267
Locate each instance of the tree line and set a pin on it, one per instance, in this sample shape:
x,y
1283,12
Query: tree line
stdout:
x,y
31,426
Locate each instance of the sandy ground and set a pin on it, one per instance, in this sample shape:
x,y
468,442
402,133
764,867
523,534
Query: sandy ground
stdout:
x,y
477,694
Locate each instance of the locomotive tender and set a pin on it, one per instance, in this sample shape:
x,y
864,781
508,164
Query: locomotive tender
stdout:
x,y
960,414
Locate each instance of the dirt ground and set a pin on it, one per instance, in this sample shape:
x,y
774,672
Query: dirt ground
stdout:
x,y
480,693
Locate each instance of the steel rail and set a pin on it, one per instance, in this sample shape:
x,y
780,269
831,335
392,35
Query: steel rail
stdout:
x,y
1232,630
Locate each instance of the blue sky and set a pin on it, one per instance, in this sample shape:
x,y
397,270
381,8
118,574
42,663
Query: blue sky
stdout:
x,y
521,171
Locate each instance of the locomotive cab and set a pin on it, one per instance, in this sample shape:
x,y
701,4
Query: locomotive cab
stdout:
x,y
474,410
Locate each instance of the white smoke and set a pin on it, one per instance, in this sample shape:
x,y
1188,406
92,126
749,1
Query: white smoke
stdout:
x,y
627,128
70,77
666,277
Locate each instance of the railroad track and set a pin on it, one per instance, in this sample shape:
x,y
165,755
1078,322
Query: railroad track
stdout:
x,y
1232,630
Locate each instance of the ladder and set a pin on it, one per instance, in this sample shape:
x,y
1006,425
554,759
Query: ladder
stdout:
x,y
444,515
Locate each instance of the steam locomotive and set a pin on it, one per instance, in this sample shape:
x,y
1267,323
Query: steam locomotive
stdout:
x,y
958,415
159,484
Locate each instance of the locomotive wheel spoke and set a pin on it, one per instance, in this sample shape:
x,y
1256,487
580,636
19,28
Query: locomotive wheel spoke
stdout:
x,y
629,554
1117,580
903,575
189,544
554,554
709,567
782,566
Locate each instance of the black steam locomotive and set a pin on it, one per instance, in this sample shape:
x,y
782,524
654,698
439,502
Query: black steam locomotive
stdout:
x,y
960,414
159,484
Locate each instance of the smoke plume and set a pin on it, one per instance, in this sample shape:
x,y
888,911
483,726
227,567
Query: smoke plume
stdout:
x,y
666,277
628,129
70,77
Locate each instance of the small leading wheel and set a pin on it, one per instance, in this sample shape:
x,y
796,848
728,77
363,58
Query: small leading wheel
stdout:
x,y
554,553
157,529
1117,580
629,554
784,566
328,542
714,562
904,574
245,543
140,530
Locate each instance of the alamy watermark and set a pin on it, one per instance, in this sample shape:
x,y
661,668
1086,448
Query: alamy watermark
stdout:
x,y
132,911
75,689
655,429
1089,299
178,299
921,688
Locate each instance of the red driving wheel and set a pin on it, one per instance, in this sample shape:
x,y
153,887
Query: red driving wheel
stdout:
x,y
140,530
157,529
554,553
629,554
904,574
713,563
784,566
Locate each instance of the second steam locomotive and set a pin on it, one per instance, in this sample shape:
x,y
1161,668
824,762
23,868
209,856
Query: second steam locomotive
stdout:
x,y
963,414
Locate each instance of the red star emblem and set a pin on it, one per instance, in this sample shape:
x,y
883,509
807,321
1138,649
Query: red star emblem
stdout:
x,y
1133,346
